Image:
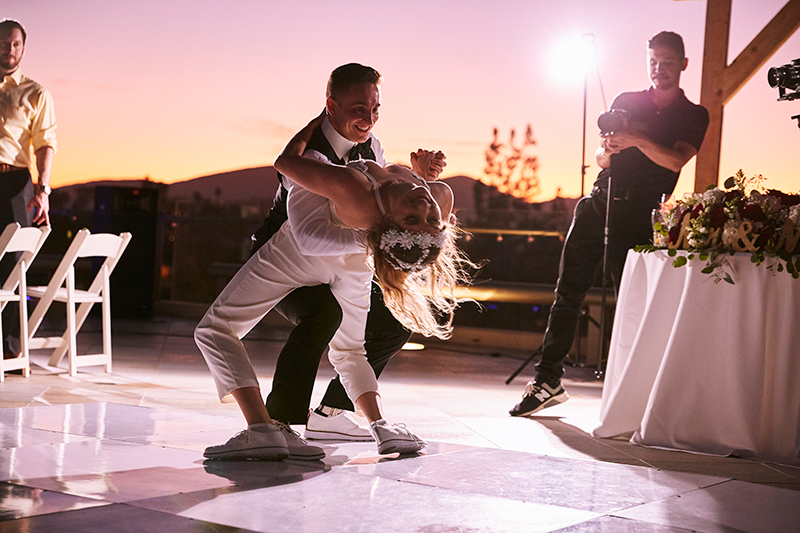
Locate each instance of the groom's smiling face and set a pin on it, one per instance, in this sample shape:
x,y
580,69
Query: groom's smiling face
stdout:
x,y
355,112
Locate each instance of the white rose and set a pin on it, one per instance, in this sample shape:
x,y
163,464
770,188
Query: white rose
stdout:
x,y
772,204
713,196
730,233
794,214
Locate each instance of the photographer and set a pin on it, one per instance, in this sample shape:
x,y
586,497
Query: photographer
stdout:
x,y
654,133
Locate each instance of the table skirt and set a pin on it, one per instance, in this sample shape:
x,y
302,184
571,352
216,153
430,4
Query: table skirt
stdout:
x,y
702,366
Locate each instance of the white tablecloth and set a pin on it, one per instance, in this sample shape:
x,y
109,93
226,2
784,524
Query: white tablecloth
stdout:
x,y
702,366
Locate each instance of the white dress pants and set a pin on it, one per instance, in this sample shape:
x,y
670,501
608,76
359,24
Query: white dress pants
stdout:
x,y
273,272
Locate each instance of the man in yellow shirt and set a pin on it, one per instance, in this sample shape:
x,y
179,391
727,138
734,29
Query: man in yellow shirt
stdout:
x,y
27,129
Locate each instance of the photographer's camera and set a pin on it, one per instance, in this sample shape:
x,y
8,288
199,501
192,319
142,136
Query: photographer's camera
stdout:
x,y
611,121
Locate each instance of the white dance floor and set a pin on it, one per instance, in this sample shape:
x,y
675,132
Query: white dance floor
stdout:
x,y
123,452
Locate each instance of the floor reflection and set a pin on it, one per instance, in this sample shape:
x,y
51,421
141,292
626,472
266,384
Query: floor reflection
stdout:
x,y
123,452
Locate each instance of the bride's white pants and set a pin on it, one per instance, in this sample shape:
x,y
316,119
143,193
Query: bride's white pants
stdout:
x,y
277,269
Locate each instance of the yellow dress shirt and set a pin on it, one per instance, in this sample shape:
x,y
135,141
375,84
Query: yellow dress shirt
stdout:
x,y
28,119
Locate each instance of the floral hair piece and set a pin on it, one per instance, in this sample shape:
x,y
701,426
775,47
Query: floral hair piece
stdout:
x,y
393,238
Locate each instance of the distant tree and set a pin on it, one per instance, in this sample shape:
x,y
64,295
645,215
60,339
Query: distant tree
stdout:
x,y
511,168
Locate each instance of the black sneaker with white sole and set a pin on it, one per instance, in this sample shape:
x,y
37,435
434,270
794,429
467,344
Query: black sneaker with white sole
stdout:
x,y
538,396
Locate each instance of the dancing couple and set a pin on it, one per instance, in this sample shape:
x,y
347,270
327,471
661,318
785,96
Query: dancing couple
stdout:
x,y
335,227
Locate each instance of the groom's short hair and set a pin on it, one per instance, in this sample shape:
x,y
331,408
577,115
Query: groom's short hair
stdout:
x,y
342,78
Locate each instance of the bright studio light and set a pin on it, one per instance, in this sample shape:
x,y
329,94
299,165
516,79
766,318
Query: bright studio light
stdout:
x,y
573,59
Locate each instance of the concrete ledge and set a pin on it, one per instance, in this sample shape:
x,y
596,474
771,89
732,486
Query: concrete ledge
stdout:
x,y
519,292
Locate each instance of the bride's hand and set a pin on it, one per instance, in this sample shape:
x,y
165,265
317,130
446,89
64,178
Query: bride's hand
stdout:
x,y
316,121
429,165
297,145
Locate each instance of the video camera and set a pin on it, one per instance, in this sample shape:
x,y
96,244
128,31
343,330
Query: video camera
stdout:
x,y
611,121
786,77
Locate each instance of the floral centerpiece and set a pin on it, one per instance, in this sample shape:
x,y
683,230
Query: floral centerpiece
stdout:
x,y
745,217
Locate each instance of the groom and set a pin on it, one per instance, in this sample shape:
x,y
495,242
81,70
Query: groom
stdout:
x,y
353,107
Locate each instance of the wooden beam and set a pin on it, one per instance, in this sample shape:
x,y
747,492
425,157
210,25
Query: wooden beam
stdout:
x,y
715,61
766,43
721,82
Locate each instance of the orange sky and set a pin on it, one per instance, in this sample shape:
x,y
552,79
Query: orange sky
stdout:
x,y
174,90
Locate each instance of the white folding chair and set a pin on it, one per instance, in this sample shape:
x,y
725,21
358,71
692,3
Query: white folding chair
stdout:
x,y
62,289
28,241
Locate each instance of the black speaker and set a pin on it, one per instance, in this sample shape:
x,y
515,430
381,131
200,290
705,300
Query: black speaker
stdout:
x,y
135,210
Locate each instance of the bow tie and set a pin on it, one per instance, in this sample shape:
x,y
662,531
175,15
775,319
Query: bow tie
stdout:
x,y
361,151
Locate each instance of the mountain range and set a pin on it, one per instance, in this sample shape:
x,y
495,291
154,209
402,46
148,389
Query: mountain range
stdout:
x,y
255,188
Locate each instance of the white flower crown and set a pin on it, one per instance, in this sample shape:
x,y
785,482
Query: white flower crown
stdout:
x,y
393,238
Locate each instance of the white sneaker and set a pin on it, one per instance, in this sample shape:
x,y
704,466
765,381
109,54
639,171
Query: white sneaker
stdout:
x,y
394,438
338,426
298,448
266,444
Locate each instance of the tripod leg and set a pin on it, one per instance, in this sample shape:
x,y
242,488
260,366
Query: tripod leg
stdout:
x,y
601,349
522,367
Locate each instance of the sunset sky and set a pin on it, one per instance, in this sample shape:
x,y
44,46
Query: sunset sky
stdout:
x,y
179,89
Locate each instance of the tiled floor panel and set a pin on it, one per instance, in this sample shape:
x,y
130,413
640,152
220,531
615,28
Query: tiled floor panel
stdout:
x,y
123,452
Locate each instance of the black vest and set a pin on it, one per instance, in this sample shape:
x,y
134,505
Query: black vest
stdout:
x,y
277,215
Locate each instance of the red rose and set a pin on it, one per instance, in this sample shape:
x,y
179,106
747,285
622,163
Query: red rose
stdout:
x,y
766,234
682,212
697,211
732,195
716,216
674,233
752,212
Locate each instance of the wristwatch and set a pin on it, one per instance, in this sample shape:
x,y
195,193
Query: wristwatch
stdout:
x,y
45,189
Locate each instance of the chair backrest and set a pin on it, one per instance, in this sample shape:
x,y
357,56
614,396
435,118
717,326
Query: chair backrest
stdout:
x,y
84,244
105,245
26,240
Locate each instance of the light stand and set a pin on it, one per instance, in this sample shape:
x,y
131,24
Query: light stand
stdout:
x,y
589,60
584,166
588,40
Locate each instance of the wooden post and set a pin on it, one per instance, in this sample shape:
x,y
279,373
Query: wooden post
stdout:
x,y
721,82
715,61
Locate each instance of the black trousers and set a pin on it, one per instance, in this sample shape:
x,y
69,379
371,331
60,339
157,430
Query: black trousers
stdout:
x,y
16,190
317,315
581,259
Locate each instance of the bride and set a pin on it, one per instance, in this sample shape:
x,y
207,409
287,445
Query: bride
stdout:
x,y
346,224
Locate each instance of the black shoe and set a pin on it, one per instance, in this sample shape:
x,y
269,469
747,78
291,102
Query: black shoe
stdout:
x,y
538,396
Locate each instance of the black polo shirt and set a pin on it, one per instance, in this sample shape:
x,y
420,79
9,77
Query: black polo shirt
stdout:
x,y
633,172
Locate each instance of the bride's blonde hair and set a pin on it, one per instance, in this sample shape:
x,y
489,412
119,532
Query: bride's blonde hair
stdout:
x,y
419,279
